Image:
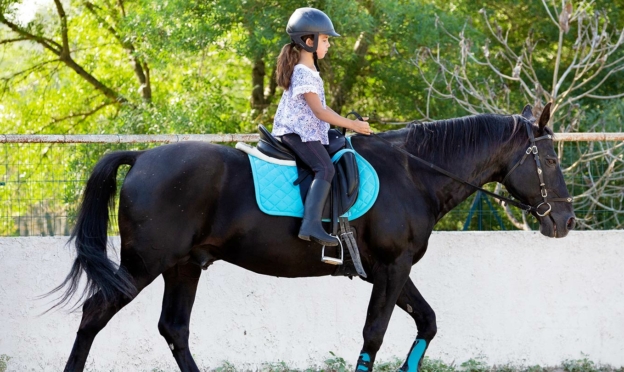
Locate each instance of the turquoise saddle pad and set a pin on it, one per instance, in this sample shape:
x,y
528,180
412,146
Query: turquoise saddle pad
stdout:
x,y
276,195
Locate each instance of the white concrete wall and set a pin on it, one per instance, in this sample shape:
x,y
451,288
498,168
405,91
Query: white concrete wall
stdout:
x,y
510,297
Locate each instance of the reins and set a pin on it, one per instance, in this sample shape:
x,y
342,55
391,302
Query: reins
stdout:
x,y
531,150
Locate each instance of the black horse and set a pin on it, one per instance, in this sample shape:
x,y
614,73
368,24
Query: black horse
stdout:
x,y
186,204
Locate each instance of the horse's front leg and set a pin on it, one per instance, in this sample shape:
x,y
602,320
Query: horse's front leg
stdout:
x,y
415,305
388,281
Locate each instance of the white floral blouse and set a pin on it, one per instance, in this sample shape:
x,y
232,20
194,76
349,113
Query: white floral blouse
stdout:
x,y
293,113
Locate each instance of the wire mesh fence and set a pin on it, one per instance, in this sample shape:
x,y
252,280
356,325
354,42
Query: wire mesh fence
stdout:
x,y
41,185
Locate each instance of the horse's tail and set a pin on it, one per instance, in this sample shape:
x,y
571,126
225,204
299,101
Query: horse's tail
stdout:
x,y
90,238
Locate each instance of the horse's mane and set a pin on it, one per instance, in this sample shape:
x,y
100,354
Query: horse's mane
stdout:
x,y
460,137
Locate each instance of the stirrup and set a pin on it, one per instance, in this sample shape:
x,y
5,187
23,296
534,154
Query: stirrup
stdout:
x,y
333,260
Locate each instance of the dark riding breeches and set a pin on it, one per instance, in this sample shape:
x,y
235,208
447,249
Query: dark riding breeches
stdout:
x,y
312,153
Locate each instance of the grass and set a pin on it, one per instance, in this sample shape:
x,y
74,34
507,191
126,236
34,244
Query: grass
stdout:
x,y
3,362
338,364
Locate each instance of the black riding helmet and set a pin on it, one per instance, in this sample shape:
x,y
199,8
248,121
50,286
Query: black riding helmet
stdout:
x,y
309,21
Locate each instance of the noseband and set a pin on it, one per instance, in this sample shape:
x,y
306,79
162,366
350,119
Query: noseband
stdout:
x,y
533,150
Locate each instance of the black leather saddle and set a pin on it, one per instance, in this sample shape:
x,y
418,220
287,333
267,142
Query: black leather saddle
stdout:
x,y
346,182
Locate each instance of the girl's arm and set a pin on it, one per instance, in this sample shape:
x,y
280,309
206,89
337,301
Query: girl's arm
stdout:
x,y
364,118
328,115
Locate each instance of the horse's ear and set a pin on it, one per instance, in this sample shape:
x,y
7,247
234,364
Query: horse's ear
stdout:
x,y
545,116
527,113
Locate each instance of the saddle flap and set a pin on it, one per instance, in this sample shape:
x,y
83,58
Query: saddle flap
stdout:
x,y
337,141
348,166
345,184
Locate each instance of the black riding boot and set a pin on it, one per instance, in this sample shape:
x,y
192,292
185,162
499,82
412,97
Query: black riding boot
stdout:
x,y
311,227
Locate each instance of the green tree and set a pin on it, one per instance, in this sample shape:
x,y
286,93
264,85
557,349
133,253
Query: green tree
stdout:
x,y
187,66
182,67
367,68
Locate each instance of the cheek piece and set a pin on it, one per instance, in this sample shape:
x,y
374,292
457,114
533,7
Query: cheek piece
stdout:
x,y
543,208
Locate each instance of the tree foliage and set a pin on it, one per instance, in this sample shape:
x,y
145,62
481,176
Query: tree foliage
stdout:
x,y
149,67
189,66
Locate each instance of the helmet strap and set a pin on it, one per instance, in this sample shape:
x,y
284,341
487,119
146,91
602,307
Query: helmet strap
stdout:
x,y
296,38
316,40
316,62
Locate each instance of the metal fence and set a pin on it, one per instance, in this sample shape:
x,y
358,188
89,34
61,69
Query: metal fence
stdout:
x,y
42,177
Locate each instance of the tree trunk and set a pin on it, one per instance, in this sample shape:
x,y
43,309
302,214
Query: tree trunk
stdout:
x,y
258,102
342,91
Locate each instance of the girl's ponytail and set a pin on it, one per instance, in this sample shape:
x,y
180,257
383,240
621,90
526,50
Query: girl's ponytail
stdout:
x,y
288,58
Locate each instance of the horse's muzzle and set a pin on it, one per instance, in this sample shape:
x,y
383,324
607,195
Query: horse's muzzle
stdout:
x,y
556,225
563,230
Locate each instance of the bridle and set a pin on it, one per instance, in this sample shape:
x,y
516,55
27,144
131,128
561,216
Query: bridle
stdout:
x,y
532,149
540,174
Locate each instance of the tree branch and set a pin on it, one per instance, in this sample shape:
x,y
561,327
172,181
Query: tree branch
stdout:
x,y
594,58
141,68
49,44
606,97
8,41
30,69
63,52
549,14
121,6
64,31
84,115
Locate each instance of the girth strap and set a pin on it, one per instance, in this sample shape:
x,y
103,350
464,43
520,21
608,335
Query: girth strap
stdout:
x,y
347,236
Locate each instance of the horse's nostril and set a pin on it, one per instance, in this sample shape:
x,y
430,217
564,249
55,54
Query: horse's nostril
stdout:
x,y
571,223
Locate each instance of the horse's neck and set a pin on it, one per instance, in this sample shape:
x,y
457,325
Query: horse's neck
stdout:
x,y
477,171
485,164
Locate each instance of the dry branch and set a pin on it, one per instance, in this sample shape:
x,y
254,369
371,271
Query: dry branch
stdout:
x,y
595,58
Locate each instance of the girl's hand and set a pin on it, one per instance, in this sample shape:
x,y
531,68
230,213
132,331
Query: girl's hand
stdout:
x,y
361,127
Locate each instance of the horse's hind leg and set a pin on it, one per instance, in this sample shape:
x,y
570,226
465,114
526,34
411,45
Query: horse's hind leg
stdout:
x,y
180,288
415,305
95,317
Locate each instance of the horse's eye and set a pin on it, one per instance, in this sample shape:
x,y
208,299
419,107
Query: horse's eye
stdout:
x,y
551,161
